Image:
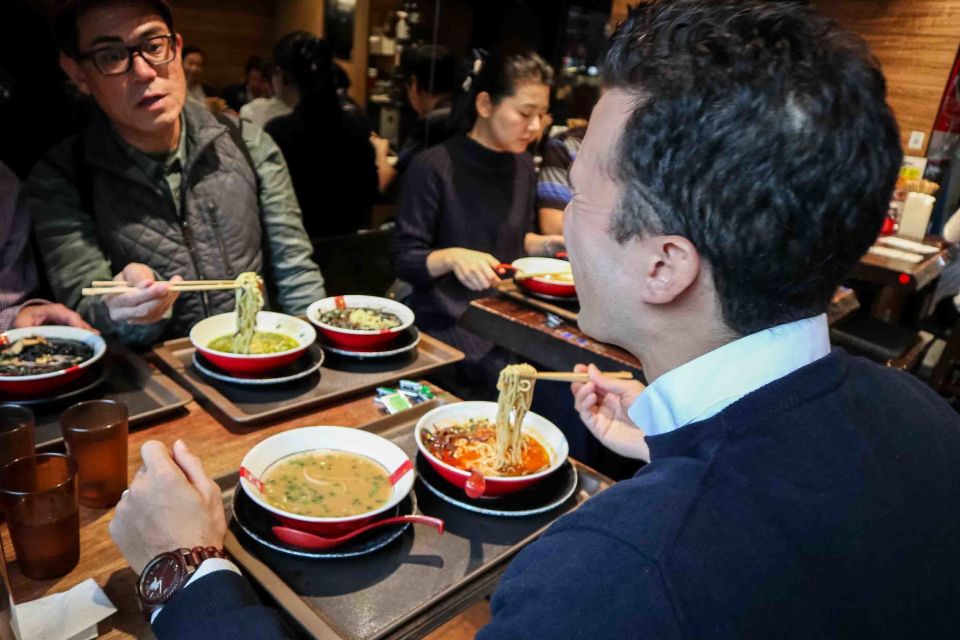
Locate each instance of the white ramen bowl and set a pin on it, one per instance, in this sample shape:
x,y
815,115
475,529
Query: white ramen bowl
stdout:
x,y
304,440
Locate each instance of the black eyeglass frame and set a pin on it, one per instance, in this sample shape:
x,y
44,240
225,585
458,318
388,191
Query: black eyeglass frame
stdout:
x,y
137,48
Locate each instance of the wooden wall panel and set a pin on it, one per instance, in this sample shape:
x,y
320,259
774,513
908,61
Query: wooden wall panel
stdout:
x,y
618,11
298,15
228,32
916,42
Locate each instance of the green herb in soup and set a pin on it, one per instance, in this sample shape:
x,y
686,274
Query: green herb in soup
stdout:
x,y
360,319
263,342
327,484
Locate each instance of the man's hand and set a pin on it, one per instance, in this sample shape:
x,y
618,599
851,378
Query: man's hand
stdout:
x,y
35,315
602,404
148,304
171,503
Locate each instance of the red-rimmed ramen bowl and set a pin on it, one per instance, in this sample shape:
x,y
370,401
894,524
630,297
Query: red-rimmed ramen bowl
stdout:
x,y
209,329
359,339
560,285
292,446
33,385
534,425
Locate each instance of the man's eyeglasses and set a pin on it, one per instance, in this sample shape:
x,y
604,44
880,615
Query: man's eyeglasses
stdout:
x,y
116,59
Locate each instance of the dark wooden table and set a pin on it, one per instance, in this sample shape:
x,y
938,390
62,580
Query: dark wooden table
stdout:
x,y
526,331
902,274
534,332
843,304
221,448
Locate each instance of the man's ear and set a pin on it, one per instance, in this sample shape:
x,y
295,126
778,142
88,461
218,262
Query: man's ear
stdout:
x,y
672,266
72,68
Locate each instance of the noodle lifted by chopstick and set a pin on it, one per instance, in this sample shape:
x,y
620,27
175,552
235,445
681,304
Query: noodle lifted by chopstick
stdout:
x,y
249,303
516,393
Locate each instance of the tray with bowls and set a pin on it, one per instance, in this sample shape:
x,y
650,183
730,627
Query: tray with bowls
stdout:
x,y
412,576
80,365
304,377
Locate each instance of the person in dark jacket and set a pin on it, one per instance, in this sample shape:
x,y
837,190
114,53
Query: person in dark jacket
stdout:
x,y
153,189
792,491
468,205
329,154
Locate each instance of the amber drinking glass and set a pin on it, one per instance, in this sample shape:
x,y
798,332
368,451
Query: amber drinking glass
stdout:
x,y
16,434
96,435
39,495
6,601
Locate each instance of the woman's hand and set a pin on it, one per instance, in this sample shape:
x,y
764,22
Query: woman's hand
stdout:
x,y
474,269
602,404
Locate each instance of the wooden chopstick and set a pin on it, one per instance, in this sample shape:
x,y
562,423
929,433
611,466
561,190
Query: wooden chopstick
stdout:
x,y
122,283
106,291
570,376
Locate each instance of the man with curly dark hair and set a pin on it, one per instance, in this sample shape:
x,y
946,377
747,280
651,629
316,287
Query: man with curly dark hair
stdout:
x,y
737,165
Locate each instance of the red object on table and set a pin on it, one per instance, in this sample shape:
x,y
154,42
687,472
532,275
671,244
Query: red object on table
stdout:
x,y
889,226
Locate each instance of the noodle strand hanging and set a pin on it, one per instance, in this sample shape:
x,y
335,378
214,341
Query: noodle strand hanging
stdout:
x,y
249,303
516,394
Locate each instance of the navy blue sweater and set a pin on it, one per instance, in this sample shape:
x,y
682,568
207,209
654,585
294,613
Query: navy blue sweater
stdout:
x,y
824,505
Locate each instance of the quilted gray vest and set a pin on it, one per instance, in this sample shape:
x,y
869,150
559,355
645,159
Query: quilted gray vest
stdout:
x,y
217,234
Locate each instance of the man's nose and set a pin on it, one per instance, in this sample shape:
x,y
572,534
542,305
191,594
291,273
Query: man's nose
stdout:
x,y
141,69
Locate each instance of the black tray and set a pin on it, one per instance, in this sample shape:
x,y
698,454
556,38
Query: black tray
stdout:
x,y
411,586
147,393
338,378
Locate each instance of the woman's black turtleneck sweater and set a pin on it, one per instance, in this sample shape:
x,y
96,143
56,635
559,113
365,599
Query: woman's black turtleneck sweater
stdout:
x,y
460,194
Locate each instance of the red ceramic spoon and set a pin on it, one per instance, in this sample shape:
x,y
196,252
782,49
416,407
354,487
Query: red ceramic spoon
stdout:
x,y
476,485
306,540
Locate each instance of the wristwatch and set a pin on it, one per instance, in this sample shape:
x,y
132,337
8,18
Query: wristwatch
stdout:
x,y
166,574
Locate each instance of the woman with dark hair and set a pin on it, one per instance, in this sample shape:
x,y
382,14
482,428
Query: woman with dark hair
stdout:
x,y
331,161
468,204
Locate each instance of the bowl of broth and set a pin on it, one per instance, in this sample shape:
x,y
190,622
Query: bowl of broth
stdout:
x,y
40,360
360,323
326,480
460,438
279,339
557,281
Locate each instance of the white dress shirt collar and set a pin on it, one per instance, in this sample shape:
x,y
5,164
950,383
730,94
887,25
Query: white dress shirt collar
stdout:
x,y
707,385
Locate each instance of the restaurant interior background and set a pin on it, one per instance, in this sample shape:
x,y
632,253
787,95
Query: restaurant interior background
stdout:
x,y
916,41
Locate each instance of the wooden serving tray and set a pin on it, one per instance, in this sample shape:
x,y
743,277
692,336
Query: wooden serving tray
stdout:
x,y
337,378
414,584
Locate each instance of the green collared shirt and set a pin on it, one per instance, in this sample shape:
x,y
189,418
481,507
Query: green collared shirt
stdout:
x,y
165,170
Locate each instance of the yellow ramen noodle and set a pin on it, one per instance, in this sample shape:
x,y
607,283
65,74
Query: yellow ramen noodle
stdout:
x,y
327,484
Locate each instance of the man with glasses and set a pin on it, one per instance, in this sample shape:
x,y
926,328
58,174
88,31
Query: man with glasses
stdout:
x,y
155,190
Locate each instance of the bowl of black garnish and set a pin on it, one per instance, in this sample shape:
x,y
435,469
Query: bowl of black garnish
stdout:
x,y
38,360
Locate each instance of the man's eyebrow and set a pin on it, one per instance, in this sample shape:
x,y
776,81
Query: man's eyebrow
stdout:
x,y
148,33
106,39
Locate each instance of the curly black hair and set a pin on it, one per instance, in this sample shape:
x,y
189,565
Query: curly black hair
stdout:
x,y
762,134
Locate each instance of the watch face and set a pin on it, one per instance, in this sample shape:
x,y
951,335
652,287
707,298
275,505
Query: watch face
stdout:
x,y
160,579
